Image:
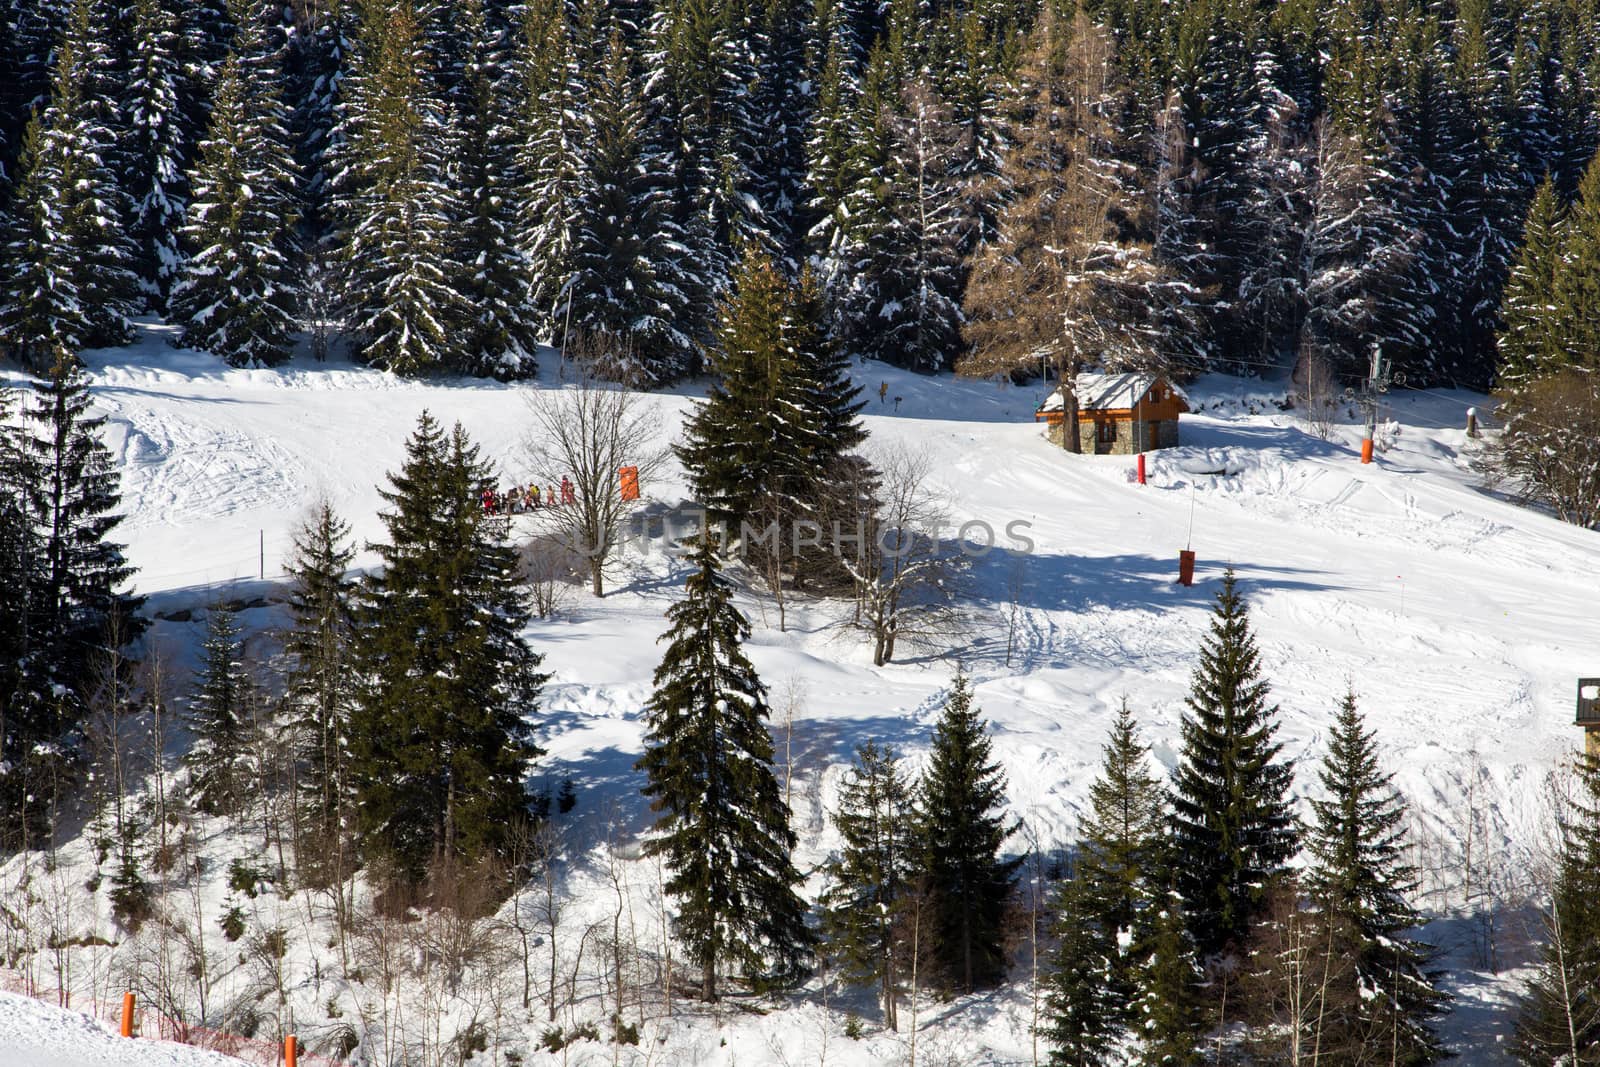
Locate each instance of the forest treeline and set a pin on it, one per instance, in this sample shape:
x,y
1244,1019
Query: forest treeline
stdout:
x,y
997,182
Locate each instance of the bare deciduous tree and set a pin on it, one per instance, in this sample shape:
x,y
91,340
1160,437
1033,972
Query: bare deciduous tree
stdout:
x,y
588,433
904,576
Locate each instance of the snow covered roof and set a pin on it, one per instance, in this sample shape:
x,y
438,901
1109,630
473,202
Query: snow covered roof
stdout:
x,y
1104,392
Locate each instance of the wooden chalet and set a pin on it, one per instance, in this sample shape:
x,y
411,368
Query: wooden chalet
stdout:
x,y
1119,414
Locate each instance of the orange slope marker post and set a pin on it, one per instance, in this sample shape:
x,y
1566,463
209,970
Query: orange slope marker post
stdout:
x,y
290,1051
127,1014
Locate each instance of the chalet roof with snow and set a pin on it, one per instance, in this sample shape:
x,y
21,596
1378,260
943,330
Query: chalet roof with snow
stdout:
x,y
1111,392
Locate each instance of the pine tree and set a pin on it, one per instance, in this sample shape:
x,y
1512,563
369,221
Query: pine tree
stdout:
x,y
629,292
67,603
1107,913
238,296
1558,1019
157,183
440,736
962,829
897,283
548,157
20,739
752,445
219,718
1359,879
1169,1005
94,207
321,689
1578,281
1233,829
42,321
723,830
1531,342
867,881
74,506
394,200
495,335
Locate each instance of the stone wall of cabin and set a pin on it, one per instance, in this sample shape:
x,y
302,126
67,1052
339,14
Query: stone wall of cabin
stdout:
x,y
1132,437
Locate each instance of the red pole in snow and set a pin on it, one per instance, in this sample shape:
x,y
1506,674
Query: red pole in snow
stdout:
x,y
1141,468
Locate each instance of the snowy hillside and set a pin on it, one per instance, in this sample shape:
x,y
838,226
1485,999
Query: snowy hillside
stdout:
x,y
1460,619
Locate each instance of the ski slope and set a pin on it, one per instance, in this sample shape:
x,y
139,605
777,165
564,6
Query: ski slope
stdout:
x,y
1460,619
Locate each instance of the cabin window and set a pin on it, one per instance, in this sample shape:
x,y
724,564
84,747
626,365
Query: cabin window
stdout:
x,y
1107,430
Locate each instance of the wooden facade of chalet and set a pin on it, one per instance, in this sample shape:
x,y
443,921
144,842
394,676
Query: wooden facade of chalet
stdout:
x,y
1119,414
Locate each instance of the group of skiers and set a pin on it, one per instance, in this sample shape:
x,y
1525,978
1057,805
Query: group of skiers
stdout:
x,y
518,499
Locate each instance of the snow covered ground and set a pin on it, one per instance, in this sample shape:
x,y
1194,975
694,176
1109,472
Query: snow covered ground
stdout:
x,y
1460,620
34,1034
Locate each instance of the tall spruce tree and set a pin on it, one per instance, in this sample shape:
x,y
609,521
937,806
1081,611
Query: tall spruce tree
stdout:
x,y
1558,1018
549,156
219,718
66,279
1360,881
1578,282
69,600
723,830
629,293
496,333
156,179
962,828
1233,831
1107,913
1169,1009
441,733
1531,341
781,411
21,744
238,294
321,684
863,907
394,200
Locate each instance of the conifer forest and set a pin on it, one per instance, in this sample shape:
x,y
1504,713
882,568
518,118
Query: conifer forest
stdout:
x,y
449,773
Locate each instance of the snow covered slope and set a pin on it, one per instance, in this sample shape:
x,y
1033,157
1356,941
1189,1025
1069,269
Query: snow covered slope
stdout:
x,y
33,1034
1460,619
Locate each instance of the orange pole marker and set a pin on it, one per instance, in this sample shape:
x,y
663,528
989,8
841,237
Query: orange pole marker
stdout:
x,y
1366,450
127,1015
289,1051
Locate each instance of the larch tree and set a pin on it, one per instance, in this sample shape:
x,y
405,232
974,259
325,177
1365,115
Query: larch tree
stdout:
x,y
722,828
